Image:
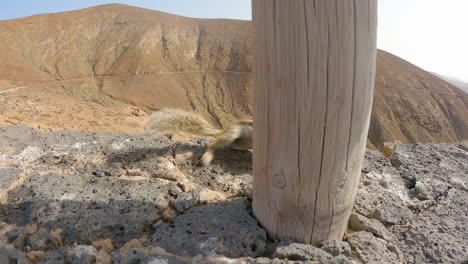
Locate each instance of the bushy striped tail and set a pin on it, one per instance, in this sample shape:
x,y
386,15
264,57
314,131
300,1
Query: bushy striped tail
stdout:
x,y
172,121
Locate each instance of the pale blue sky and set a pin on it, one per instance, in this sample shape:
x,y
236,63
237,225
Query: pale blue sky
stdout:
x,y
236,9
429,33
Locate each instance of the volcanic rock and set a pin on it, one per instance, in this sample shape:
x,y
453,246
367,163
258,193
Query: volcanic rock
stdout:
x,y
61,208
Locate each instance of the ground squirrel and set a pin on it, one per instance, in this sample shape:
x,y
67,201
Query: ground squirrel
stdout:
x,y
167,122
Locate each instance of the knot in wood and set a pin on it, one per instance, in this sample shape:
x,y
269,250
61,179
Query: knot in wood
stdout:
x,y
279,181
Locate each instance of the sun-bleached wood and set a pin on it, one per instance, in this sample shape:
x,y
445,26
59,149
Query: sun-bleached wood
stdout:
x,y
314,83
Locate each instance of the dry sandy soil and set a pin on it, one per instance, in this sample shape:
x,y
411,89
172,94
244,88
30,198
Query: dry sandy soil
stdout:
x,y
49,111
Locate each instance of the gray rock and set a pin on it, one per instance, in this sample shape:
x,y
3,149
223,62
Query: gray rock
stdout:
x,y
296,251
82,255
439,234
380,183
230,172
224,228
436,167
8,176
175,190
388,183
106,208
158,224
336,247
374,161
145,256
17,237
156,255
430,191
43,241
341,259
365,202
58,256
264,261
187,200
8,256
87,207
431,179
421,205
359,222
166,259
392,214
371,250
369,198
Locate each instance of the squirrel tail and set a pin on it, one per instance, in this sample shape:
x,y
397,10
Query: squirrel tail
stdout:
x,y
172,121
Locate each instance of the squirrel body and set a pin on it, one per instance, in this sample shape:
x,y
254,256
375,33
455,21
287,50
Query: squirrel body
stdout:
x,y
169,121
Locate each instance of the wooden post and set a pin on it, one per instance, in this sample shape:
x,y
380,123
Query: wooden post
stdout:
x,y
314,83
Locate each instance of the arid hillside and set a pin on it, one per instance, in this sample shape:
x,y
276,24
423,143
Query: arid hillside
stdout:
x,y
412,105
198,60
99,65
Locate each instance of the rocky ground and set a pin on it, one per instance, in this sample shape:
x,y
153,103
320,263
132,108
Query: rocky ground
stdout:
x,y
94,197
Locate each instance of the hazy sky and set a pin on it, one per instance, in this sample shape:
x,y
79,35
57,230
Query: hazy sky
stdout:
x,y
433,34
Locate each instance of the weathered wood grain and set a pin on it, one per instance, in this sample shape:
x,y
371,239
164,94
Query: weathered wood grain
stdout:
x,y
314,81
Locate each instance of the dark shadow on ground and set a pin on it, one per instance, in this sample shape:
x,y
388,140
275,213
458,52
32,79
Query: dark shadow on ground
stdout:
x,y
85,222
226,159
225,228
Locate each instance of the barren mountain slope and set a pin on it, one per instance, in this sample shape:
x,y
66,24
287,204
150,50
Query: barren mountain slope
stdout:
x,y
195,64
412,105
121,40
